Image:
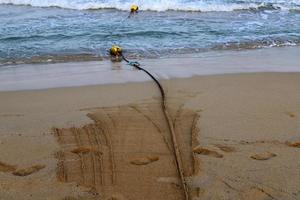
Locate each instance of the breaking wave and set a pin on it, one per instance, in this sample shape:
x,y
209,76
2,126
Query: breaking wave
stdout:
x,y
164,5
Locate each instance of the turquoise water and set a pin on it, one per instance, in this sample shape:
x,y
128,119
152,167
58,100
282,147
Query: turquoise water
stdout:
x,y
41,31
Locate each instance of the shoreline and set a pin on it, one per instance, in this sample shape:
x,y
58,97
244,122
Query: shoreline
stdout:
x,y
42,76
94,57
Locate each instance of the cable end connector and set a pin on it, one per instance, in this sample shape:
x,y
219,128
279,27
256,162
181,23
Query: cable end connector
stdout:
x,y
134,63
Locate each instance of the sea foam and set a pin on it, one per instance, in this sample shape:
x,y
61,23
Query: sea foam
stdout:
x,y
163,5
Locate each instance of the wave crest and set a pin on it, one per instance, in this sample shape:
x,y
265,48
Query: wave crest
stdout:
x,y
162,5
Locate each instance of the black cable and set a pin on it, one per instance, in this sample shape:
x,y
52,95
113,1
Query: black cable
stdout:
x,y
170,124
137,65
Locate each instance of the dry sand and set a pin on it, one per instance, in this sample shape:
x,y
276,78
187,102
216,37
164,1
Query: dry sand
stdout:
x,y
239,138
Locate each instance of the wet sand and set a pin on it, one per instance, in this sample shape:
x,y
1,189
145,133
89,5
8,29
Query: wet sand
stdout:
x,y
239,138
44,76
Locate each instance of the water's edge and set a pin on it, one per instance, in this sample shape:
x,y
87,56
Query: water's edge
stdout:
x,y
42,76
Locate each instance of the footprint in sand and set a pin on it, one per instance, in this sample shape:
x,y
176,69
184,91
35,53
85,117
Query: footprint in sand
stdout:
x,y
263,156
4,167
69,198
293,144
290,114
144,160
84,150
207,152
29,170
227,149
116,197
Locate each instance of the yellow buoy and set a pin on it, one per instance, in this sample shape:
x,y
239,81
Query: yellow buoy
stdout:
x,y
115,51
134,8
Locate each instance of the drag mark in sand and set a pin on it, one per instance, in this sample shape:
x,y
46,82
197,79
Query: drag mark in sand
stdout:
x,y
61,170
78,143
93,155
106,124
194,143
154,124
126,151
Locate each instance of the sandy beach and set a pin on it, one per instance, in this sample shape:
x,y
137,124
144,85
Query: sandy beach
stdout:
x,y
149,100
239,136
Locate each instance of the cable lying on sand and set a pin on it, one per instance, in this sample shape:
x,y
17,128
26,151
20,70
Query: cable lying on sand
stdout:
x,y
117,52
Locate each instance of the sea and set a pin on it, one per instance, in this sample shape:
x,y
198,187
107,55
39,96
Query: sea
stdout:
x,y
37,31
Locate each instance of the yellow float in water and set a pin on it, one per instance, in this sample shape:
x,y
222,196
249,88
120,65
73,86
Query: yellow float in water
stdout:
x,y
134,9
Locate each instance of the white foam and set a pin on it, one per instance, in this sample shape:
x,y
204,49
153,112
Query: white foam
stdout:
x,y
157,5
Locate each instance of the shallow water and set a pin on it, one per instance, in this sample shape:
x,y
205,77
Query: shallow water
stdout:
x,y
46,31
